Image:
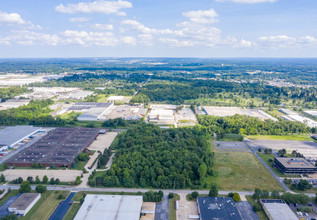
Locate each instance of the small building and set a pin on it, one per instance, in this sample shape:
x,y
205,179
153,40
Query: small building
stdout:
x,y
220,208
277,209
294,165
110,207
24,203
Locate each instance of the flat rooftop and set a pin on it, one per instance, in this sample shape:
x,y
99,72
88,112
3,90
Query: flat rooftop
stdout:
x,y
24,201
294,162
220,208
88,105
60,147
10,135
278,209
110,207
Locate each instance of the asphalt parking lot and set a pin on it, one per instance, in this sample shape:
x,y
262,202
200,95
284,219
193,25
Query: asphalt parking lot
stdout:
x,y
162,209
4,208
62,208
246,210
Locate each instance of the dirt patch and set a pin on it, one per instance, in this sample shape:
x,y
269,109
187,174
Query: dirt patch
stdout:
x,y
62,175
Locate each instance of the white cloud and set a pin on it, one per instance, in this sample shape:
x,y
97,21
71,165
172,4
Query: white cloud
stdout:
x,y
107,27
177,43
74,37
128,40
26,37
246,1
202,16
99,6
278,41
79,19
11,18
243,43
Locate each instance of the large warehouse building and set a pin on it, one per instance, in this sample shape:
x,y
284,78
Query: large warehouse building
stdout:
x,y
294,165
11,136
277,209
110,207
60,147
24,203
93,110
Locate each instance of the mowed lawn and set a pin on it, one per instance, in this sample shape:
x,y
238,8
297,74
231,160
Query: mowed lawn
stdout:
x,y
241,171
280,138
45,206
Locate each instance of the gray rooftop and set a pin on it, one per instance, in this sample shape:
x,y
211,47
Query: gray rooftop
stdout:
x,y
110,207
10,135
278,209
294,162
24,201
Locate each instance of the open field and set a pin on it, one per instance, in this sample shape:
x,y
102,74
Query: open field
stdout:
x,y
282,138
45,206
241,171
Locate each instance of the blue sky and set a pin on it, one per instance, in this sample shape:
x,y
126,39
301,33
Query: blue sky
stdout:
x,y
158,28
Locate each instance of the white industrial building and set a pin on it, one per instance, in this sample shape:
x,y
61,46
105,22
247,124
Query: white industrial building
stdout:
x,y
277,209
312,113
11,136
95,113
110,207
24,203
162,114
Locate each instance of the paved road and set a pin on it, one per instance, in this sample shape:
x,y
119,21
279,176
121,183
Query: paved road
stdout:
x,y
269,169
162,209
165,191
62,208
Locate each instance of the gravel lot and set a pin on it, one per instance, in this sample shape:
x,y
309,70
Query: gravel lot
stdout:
x,y
103,141
62,175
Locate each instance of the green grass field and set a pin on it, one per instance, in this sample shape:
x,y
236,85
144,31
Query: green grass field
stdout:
x,y
70,215
45,206
281,138
241,171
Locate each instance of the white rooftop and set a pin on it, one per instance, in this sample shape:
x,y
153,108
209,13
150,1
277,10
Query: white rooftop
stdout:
x,y
280,211
110,207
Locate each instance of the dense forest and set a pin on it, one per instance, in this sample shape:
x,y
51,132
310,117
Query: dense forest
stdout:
x,y
147,156
241,124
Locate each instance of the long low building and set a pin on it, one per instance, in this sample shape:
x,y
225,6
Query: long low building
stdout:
x,y
60,147
110,207
11,136
24,203
277,209
294,165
